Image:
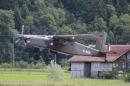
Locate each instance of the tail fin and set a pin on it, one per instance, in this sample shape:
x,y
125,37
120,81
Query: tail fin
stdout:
x,y
100,43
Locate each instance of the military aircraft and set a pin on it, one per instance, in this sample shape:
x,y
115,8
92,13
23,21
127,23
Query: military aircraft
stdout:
x,y
66,44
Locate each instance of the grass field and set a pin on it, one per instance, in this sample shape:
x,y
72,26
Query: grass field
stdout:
x,y
38,78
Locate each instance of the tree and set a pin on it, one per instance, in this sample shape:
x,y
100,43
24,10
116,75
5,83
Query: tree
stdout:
x,y
110,2
49,22
7,33
98,8
61,19
100,25
119,27
8,5
39,5
125,35
121,6
110,11
79,27
64,63
29,21
24,11
113,21
66,30
110,38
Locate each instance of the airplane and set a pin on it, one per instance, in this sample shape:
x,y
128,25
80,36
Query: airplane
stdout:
x,y
66,44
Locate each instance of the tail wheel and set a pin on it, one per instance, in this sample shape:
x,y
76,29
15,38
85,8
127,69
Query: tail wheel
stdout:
x,y
50,57
37,56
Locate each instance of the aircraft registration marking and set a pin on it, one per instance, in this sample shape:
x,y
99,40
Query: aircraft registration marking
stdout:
x,y
86,51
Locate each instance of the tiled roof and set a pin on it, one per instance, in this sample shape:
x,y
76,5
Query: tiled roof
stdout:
x,y
121,49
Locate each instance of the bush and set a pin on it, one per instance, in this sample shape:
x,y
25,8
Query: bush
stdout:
x,y
5,65
127,78
22,64
40,65
55,73
32,65
120,77
64,63
107,74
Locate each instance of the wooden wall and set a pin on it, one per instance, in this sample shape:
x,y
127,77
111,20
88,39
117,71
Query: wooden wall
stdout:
x,y
79,69
97,66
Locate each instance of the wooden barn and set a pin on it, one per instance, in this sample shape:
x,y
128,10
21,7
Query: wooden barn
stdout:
x,y
87,66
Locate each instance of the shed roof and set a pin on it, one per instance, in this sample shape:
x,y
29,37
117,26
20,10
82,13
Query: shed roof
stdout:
x,y
121,49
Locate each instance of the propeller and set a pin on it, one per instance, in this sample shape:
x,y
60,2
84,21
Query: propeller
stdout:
x,y
21,36
17,40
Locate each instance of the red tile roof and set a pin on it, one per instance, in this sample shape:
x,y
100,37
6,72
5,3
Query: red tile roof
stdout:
x,y
121,49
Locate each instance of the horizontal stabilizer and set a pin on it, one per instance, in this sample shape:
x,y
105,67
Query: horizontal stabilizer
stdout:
x,y
110,52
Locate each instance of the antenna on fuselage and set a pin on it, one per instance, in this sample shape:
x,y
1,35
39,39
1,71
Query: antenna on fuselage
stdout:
x,y
22,29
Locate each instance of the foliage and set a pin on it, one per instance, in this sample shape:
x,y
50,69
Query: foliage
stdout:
x,y
55,73
60,17
127,78
107,74
64,63
40,65
22,64
5,65
7,31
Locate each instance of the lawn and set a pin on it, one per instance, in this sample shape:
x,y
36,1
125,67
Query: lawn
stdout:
x,y
38,78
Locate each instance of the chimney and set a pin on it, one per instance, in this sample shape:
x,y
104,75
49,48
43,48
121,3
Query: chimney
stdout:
x,y
109,48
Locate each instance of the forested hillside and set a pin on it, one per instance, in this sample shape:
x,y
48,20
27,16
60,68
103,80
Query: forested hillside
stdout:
x,y
60,17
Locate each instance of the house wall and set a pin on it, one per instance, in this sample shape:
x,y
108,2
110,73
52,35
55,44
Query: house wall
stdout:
x,y
123,61
97,66
77,70
128,57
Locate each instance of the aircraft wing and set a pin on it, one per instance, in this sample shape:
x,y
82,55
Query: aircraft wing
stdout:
x,y
75,38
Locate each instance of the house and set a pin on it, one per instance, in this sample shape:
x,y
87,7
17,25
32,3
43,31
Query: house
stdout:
x,y
88,66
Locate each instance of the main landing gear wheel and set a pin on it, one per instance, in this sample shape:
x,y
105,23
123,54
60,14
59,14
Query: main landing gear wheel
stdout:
x,y
50,57
36,56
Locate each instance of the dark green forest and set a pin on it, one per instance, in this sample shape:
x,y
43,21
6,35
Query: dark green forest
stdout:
x,y
51,17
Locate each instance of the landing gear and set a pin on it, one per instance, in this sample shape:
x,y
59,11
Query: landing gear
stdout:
x,y
36,56
37,53
50,57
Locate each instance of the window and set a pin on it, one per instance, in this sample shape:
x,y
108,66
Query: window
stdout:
x,y
123,65
96,65
128,55
128,65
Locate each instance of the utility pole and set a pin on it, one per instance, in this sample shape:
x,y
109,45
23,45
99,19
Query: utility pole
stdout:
x,y
55,58
13,54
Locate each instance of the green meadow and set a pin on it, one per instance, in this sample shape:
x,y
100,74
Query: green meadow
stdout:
x,y
38,78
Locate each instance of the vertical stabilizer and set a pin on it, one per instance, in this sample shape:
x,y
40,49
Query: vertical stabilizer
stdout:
x,y
100,42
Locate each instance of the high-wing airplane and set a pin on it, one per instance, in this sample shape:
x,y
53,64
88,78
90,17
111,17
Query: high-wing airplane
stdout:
x,y
66,44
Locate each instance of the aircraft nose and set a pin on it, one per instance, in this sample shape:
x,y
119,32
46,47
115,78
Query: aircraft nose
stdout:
x,y
20,35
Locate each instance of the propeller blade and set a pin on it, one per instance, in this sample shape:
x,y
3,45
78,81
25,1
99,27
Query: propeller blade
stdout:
x,y
17,40
22,29
24,42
